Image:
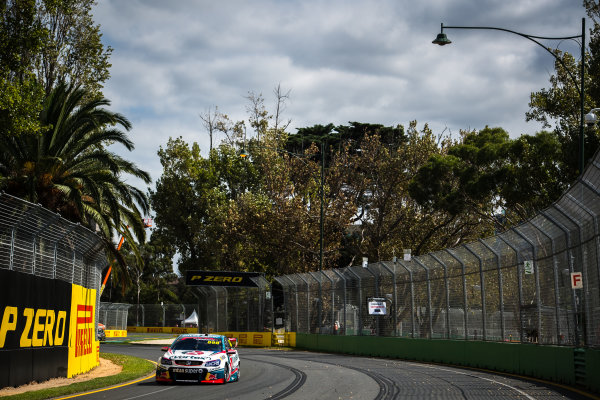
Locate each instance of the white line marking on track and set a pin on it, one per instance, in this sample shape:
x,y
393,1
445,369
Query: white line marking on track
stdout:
x,y
148,394
480,377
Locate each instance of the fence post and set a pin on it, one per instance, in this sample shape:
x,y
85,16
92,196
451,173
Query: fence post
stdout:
x,y
596,224
37,234
536,274
332,301
360,299
319,304
465,301
395,317
519,259
584,274
430,317
345,299
307,303
377,294
500,287
412,298
482,283
12,248
556,274
295,289
447,286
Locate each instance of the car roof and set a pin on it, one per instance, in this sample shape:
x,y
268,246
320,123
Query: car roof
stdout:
x,y
200,336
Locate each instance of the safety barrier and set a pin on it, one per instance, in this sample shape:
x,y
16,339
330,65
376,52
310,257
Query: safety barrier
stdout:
x,y
50,272
538,282
553,363
161,329
113,333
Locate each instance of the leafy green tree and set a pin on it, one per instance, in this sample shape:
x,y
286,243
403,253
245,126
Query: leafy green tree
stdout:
x,y
68,169
488,172
73,51
389,219
151,272
202,189
43,43
21,37
560,103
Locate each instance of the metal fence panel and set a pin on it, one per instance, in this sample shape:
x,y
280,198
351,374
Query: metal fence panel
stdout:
x,y
36,241
515,286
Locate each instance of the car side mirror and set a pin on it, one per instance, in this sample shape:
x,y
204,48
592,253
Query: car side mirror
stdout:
x,y
166,348
233,342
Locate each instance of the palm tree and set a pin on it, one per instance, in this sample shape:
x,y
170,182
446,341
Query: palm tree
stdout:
x,y
68,168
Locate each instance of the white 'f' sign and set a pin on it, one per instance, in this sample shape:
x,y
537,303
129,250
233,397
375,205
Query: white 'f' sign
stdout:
x,y
576,280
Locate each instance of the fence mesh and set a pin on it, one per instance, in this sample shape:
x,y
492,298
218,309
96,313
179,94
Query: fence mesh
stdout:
x,y
515,286
219,309
36,241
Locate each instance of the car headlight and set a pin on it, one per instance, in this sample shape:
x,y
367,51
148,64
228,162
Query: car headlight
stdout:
x,y
214,363
165,361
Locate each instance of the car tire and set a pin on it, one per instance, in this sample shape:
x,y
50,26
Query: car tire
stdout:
x,y
227,374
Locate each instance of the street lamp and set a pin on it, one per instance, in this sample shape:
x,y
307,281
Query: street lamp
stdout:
x,y
591,118
443,40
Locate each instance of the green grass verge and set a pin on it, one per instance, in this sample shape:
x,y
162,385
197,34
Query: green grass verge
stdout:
x,y
133,367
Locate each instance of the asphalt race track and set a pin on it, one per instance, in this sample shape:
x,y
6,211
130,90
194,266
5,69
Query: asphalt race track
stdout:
x,y
278,374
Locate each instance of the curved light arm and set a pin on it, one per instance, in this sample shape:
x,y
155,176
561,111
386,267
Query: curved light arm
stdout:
x,y
529,37
443,40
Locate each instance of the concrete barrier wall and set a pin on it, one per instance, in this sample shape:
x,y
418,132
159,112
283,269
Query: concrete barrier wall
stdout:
x,y
112,333
161,329
552,363
592,364
253,339
47,329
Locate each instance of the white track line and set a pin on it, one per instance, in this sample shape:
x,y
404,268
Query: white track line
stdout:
x,y
480,377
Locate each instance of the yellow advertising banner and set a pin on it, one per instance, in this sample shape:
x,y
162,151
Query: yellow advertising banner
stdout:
x,y
115,333
84,349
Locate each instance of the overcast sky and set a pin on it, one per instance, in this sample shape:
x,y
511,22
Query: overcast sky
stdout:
x,y
341,60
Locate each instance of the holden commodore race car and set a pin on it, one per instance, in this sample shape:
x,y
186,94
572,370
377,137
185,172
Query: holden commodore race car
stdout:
x,y
199,358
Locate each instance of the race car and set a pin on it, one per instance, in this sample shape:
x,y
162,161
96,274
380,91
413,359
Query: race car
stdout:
x,y
101,332
199,358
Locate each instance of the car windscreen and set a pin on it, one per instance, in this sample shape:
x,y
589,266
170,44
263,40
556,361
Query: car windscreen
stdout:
x,y
204,344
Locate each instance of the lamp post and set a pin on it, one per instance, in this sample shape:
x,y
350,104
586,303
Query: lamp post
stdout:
x,y
443,40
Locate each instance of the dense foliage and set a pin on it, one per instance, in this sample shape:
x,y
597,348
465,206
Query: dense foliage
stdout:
x,y
55,128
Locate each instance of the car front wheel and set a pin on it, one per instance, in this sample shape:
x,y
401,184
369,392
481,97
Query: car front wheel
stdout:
x,y
227,374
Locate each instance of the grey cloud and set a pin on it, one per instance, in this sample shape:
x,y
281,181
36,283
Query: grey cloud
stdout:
x,y
343,60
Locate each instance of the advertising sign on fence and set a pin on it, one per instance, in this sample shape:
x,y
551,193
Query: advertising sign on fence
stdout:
x,y
34,335
83,355
377,307
221,278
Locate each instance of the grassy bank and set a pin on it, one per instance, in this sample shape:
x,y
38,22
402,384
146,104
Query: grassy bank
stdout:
x,y
133,368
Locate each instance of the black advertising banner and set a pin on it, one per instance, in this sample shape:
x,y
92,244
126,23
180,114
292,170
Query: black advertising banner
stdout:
x,y
221,278
34,331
